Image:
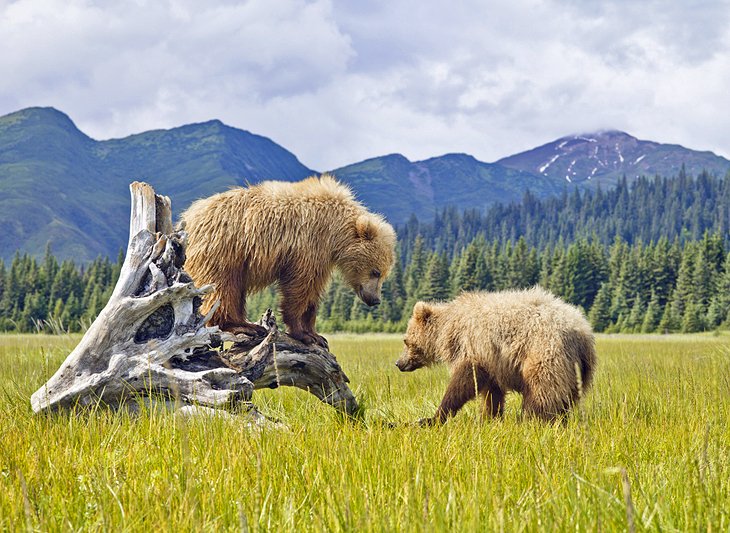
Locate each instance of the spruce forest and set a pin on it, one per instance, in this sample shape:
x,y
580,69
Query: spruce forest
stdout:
x,y
650,256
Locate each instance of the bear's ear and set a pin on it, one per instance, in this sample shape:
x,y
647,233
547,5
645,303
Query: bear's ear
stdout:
x,y
366,227
422,312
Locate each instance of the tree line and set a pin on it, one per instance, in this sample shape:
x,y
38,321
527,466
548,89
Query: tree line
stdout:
x,y
649,208
652,257
53,296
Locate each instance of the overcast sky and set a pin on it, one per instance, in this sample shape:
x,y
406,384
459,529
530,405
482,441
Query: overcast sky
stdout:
x,y
336,82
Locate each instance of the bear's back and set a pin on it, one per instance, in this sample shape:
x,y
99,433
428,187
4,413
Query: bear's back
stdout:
x,y
324,189
516,323
520,310
269,196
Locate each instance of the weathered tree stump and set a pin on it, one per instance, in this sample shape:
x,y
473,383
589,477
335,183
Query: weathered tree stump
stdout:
x,y
151,342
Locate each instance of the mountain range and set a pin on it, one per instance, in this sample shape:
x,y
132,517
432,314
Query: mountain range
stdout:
x,y
60,187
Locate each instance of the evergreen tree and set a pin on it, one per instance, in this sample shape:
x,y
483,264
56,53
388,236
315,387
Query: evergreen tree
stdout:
x,y
559,282
663,269
72,312
635,319
683,294
715,315
48,270
720,302
600,315
342,302
95,303
522,269
620,304
471,273
436,282
652,316
584,273
670,321
703,276
393,294
57,312
416,269
546,268
359,310
693,320
34,312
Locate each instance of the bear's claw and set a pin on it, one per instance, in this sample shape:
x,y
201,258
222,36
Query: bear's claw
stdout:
x,y
321,341
250,330
309,337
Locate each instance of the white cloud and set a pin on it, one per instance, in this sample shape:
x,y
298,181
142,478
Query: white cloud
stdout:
x,y
336,82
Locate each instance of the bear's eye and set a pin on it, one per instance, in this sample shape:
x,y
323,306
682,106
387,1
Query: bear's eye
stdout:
x,y
375,273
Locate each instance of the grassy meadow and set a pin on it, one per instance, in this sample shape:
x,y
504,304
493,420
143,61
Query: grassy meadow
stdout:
x,y
649,449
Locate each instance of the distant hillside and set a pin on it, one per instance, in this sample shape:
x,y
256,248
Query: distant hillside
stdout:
x,y
604,157
399,188
61,187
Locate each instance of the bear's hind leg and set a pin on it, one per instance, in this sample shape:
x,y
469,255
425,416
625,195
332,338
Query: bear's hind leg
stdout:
x,y
541,401
492,396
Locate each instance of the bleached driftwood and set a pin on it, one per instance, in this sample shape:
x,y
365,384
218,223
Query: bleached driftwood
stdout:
x,y
150,341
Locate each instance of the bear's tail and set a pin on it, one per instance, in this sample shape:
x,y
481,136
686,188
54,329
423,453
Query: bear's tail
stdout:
x,y
587,357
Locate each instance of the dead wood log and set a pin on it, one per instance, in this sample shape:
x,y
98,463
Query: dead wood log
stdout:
x,y
280,360
150,341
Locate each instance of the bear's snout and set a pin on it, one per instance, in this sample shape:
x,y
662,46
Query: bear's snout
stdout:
x,y
372,301
369,292
405,365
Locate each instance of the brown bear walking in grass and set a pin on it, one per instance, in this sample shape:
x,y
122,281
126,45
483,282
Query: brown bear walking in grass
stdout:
x,y
293,234
526,341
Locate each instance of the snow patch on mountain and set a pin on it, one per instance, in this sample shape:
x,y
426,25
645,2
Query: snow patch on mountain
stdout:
x,y
570,170
543,168
618,150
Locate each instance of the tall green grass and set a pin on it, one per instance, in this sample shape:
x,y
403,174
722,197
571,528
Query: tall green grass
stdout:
x,y
659,410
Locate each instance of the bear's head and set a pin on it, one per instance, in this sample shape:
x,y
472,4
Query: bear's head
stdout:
x,y
369,257
421,337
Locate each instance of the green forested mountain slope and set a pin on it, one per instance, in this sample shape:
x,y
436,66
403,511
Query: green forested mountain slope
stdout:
x,y
399,188
61,187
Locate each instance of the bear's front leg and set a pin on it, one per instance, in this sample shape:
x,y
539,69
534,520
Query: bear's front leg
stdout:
x,y
308,320
299,314
462,387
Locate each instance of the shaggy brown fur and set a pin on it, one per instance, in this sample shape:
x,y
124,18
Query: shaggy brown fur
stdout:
x,y
526,341
246,239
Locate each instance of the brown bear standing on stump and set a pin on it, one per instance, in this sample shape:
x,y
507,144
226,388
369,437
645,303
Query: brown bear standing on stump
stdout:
x,y
526,341
294,234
